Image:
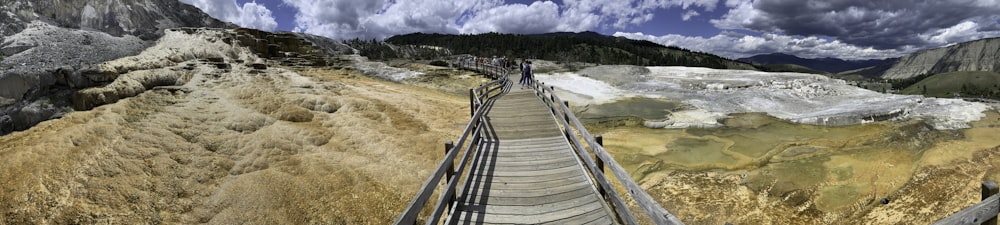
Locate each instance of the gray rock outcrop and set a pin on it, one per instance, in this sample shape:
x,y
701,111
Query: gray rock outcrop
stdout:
x,y
145,19
48,48
980,55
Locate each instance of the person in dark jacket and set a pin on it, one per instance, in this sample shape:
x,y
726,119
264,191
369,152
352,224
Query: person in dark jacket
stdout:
x,y
526,75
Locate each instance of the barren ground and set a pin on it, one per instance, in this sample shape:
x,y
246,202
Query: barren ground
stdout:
x,y
315,146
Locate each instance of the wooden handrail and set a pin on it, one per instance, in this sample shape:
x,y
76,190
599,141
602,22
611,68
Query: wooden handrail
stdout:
x,y
472,130
984,212
617,203
656,213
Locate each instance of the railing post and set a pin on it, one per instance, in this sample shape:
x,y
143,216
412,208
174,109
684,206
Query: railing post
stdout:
x,y
990,188
600,163
600,141
450,171
565,114
556,108
472,102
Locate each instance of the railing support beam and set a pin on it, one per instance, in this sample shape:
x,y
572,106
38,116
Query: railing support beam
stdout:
x,y
450,171
472,102
989,188
600,141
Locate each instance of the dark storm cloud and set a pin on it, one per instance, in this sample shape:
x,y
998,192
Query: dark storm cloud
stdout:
x,y
990,24
887,24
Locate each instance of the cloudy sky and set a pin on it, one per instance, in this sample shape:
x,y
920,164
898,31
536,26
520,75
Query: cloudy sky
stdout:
x,y
849,29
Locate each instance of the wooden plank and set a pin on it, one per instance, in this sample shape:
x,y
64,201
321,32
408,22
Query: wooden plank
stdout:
x,y
593,217
554,150
536,128
533,162
589,218
527,199
522,158
525,163
528,219
547,175
519,115
532,209
535,140
543,166
500,192
567,172
515,158
604,220
521,180
525,145
517,134
532,185
519,118
532,151
548,141
532,147
526,125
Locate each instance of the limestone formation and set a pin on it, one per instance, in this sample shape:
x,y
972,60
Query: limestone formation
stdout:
x,y
48,49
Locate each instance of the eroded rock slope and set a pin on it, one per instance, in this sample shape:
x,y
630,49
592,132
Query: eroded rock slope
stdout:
x,y
980,55
46,46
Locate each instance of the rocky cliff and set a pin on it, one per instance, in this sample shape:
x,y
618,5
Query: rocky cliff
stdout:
x,y
980,55
141,18
49,48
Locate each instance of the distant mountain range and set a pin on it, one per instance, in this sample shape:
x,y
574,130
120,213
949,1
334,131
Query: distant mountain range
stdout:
x,y
570,47
829,65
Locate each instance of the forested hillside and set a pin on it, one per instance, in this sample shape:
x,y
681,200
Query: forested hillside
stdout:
x,y
570,47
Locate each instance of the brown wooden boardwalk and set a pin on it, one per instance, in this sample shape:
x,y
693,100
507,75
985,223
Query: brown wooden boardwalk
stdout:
x,y
530,174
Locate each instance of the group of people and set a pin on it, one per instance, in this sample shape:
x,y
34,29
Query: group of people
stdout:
x,y
494,61
527,76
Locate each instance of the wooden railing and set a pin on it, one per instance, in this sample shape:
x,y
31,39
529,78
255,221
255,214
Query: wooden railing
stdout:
x,y
480,100
594,151
984,212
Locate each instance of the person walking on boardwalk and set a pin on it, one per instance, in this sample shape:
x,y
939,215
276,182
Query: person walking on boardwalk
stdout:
x,y
526,75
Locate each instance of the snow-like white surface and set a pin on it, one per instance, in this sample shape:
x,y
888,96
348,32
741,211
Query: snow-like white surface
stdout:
x,y
379,69
584,89
796,97
688,118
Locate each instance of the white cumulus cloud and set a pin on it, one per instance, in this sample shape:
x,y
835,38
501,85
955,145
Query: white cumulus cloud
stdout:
x,y
250,15
734,45
346,19
690,13
962,32
539,17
